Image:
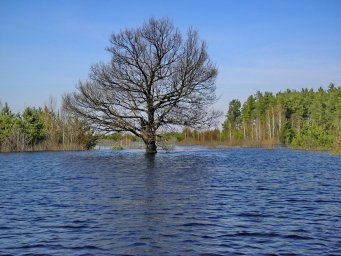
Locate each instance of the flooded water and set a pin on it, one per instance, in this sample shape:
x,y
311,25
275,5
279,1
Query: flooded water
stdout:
x,y
185,202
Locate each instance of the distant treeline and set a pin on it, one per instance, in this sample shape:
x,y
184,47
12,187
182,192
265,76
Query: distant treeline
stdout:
x,y
38,129
305,119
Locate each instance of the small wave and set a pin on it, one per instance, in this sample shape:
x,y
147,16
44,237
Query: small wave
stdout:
x,y
29,246
5,228
74,226
297,200
85,247
257,234
211,254
265,235
294,236
253,215
262,188
249,234
190,241
31,254
299,230
80,221
137,244
65,226
325,201
169,235
196,224
207,237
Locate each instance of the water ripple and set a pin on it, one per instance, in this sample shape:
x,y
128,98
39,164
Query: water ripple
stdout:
x,y
202,202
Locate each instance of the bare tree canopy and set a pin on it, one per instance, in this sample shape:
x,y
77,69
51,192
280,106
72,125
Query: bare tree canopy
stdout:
x,y
155,79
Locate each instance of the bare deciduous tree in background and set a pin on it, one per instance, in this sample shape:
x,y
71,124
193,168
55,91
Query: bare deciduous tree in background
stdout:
x,y
155,79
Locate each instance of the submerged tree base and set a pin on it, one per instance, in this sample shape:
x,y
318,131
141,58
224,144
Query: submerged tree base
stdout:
x,y
151,147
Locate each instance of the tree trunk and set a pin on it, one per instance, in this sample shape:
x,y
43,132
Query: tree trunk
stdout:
x,y
273,122
279,123
151,147
230,132
269,124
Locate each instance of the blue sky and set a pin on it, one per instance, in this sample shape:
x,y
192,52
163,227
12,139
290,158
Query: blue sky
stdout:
x,y
46,47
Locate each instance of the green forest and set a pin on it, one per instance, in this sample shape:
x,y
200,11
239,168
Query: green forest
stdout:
x,y
40,129
305,119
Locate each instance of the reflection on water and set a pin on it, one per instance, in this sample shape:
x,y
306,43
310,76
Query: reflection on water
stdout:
x,y
236,201
150,161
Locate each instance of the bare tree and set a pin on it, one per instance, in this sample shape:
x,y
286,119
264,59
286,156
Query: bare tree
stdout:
x,y
155,79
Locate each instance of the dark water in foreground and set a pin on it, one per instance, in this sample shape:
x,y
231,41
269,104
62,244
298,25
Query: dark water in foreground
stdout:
x,y
206,202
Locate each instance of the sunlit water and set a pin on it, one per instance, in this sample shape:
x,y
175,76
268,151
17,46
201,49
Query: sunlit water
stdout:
x,y
201,202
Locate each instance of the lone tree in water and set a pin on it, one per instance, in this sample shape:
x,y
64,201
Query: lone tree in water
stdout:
x,y
155,79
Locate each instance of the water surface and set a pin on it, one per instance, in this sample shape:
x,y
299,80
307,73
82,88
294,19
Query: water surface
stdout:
x,y
185,202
